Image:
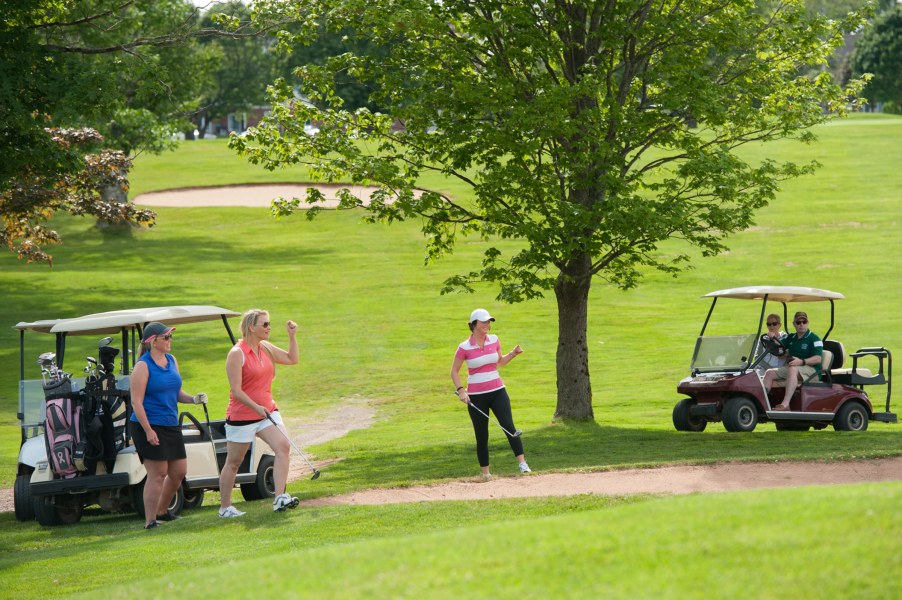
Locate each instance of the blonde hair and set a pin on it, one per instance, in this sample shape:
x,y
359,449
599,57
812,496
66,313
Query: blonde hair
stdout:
x,y
249,319
776,316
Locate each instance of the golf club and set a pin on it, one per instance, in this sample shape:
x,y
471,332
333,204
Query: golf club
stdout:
x,y
516,433
210,433
296,449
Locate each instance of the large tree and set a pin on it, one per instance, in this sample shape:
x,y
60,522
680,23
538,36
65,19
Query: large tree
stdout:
x,y
589,131
84,85
239,70
879,52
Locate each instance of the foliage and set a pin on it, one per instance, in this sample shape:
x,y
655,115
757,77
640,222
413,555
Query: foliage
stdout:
x,y
31,199
574,123
100,66
238,67
879,52
300,51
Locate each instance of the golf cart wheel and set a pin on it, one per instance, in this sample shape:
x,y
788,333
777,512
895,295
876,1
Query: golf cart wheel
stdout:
x,y
851,417
683,420
51,515
265,485
22,500
193,498
137,494
792,425
739,414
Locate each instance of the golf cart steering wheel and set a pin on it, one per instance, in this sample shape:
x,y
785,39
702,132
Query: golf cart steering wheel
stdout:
x,y
773,346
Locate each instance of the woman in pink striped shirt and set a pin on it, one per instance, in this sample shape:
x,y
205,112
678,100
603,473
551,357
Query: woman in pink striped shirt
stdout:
x,y
484,389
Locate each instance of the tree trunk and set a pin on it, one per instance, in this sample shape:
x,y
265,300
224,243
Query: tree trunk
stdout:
x,y
112,194
574,389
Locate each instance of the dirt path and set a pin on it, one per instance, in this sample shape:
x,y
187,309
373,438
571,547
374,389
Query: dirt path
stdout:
x,y
664,480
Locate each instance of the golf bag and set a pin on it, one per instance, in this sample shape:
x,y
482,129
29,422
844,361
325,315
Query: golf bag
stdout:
x,y
64,427
116,403
105,414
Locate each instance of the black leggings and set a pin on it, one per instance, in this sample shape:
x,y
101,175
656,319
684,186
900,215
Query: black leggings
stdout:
x,y
500,404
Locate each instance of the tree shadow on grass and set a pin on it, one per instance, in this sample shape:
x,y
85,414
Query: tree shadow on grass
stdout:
x,y
202,250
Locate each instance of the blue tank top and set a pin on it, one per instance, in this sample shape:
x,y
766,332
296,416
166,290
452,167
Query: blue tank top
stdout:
x,y
162,394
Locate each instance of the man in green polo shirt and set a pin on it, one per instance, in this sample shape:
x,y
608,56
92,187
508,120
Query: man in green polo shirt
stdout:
x,y
805,354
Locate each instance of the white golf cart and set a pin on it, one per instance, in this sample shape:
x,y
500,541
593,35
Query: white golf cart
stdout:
x,y
727,384
115,481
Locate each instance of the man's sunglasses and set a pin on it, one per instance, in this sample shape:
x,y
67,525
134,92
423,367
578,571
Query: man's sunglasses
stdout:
x,y
801,321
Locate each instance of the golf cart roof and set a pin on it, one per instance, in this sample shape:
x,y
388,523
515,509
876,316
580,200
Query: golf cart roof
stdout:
x,y
114,321
777,293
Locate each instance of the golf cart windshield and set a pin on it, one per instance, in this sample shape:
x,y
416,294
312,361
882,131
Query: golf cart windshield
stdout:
x,y
724,353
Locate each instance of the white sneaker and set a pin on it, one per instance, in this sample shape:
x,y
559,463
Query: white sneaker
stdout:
x,y
230,512
524,468
284,502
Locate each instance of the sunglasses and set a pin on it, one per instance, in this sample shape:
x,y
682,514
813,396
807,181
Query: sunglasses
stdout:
x,y
801,321
264,324
773,324
166,337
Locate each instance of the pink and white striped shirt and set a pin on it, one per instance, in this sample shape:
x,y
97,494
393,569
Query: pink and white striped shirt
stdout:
x,y
482,364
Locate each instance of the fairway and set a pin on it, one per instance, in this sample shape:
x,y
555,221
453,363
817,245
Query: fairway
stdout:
x,y
376,335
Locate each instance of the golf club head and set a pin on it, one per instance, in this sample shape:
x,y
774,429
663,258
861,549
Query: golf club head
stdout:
x,y
46,359
518,433
105,342
315,474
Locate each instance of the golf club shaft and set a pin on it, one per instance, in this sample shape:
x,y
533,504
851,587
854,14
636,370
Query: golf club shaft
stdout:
x,y
293,445
476,408
213,443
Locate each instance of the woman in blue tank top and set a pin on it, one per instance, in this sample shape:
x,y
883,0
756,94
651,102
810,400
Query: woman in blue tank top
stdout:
x,y
156,390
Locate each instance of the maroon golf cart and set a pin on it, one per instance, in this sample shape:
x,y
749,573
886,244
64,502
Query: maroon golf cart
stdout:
x,y
727,372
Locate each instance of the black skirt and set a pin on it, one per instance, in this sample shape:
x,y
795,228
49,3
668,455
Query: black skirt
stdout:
x,y
172,445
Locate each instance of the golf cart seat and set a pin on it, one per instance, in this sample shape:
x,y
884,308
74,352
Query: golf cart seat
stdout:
x,y
856,375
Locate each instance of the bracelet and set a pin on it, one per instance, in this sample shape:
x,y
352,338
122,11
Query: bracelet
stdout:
x,y
460,387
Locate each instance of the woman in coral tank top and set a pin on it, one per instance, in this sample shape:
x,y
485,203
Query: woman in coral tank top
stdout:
x,y
251,367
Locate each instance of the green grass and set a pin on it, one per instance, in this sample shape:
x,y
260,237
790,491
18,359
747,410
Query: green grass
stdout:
x,y
374,327
760,544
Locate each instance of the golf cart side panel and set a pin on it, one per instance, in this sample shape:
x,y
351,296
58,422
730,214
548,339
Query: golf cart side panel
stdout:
x,y
201,461
828,399
128,467
33,451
